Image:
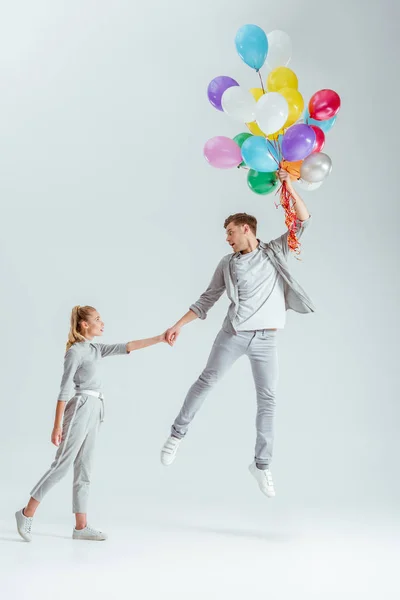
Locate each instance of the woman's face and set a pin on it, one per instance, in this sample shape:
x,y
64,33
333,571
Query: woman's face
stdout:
x,y
94,326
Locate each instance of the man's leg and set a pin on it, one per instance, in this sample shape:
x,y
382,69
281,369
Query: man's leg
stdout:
x,y
263,357
226,349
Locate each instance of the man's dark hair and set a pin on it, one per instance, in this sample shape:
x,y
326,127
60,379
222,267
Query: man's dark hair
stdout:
x,y
242,219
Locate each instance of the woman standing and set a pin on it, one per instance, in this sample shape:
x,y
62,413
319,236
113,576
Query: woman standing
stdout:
x,y
77,420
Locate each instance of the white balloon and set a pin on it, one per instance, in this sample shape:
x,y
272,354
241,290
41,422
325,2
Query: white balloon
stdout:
x,y
239,104
279,49
272,112
307,185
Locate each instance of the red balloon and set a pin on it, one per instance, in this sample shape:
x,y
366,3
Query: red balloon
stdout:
x,y
323,105
319,138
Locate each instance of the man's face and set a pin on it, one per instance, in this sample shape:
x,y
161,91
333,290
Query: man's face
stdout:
x,y
237,236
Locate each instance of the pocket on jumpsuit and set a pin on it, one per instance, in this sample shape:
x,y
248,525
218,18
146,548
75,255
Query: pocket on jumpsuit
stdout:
x,y
73,406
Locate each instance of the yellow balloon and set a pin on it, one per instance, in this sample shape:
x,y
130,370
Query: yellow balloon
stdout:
x,y
295,102
254,128
274,136
257,93
282,77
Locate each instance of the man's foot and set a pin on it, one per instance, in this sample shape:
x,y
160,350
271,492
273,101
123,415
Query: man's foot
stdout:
x,y
24,525
264,479
169,450
88,533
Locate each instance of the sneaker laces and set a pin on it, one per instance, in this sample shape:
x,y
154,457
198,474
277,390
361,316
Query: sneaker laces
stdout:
x,y
28,525
92,530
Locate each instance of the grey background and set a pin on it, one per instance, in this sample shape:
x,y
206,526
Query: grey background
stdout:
x,y
107,200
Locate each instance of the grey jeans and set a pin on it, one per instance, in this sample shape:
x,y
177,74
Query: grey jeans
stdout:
x,y
260,346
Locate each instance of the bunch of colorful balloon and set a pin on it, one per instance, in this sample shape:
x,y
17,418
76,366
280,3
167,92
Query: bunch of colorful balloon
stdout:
x,y
282,134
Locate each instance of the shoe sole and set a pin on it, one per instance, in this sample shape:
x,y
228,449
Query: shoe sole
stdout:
x,y
23,536
79,539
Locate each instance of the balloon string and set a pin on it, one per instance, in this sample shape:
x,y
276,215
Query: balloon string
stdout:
x,y
288,202
262,85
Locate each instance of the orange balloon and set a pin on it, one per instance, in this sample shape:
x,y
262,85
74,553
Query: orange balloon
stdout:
x,y
293,168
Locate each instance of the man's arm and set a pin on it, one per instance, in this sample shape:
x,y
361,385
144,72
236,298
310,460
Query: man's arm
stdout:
x,y
173,332
199,309
298,205
303,216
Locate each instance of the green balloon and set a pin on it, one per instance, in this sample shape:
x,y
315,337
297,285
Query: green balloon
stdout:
x,y
240,139
262,183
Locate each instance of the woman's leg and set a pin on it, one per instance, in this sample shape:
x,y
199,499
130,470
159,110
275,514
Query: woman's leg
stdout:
x,y
74,433
83,467
30,508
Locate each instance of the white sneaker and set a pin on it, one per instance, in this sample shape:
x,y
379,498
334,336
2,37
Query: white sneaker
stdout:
x,y
169,450
24,525
88,533
264,479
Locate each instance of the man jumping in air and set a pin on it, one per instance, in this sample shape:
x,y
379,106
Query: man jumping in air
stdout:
x,y
261,289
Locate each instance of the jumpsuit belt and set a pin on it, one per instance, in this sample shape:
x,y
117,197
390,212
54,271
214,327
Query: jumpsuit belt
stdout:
x,y
98,395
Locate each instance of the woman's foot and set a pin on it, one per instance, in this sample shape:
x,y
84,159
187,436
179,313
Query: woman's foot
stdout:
x,y
89,533
24,525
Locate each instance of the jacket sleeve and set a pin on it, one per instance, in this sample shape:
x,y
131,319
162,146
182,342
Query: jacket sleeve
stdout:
x,y
71,363
212,293
282,241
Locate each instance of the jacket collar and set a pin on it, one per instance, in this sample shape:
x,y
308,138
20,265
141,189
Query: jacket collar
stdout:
x,y
261,244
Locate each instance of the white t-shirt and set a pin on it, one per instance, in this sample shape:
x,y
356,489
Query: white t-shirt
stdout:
x,y
261,293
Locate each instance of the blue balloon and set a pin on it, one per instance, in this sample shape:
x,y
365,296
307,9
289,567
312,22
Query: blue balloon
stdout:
x,y
324,125
252,45
260,155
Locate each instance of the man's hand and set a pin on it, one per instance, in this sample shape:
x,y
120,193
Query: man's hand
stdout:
x,y
284,177
300,208
171,335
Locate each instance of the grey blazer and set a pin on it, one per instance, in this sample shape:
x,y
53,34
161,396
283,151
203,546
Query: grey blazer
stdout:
x,y
224,279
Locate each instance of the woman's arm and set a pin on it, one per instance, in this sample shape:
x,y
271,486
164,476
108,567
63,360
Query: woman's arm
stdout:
x,y
71,364
139,344
56,434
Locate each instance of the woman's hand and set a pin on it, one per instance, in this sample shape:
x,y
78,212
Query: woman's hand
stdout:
x,y
56,435
163,338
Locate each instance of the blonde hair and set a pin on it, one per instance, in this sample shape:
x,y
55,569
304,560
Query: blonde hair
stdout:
x,y
78,314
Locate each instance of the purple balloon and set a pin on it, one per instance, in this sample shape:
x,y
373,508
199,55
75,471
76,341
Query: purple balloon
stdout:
x,y
217,87
298,142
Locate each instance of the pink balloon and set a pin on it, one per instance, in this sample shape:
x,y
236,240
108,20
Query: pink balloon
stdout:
x,y
222,152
